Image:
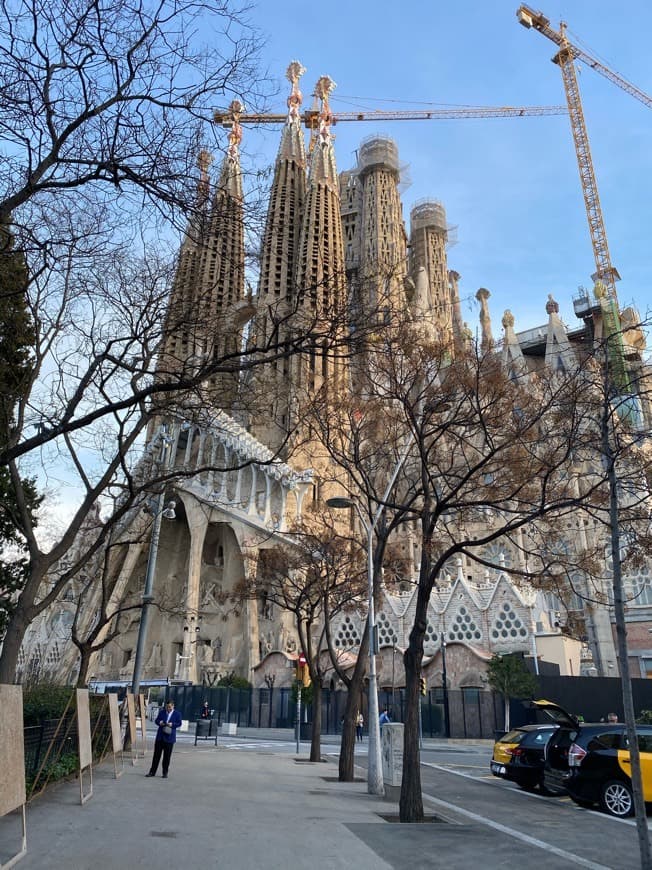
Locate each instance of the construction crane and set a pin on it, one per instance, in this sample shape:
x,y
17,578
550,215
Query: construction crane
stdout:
x,y
606,274
529,18
311,117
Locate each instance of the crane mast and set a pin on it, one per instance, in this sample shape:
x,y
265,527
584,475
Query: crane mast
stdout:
x,y
606,274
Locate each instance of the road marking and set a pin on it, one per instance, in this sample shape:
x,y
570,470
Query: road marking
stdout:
x,y
525,838
505,783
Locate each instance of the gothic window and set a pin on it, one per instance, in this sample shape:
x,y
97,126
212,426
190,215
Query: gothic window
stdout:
x,y
347,635
464,627
449,568
492,553
431,638
508,625
386,634
638,589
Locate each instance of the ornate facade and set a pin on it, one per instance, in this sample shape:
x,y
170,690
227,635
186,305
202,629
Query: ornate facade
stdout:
x,y
329,241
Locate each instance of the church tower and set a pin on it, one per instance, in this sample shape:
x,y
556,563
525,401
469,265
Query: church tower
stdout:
x,y
268,386
320,277
428,267
207,308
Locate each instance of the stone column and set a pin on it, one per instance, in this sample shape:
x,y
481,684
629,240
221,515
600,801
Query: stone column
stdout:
x,y
250,611
197,516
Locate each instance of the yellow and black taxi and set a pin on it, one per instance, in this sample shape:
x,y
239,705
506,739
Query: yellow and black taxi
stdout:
x,y
519,755
590,761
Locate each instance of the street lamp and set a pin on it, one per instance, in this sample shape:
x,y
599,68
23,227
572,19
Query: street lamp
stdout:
x,y
444,679
160,509
375,784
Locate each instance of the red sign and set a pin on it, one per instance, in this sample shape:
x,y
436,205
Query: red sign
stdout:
x,y
302,659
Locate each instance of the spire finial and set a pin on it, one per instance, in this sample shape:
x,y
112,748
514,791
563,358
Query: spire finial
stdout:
x,y
293,73
552,307
235,133
323,89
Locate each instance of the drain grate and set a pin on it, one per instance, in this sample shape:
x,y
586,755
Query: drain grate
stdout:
x,y
169,834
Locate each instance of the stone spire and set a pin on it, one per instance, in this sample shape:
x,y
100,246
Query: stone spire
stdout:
x,y
383,256
320,268
559,353
320,277
457,321
428,237
487,341
205,317
221,275
513,358
179,333
269,414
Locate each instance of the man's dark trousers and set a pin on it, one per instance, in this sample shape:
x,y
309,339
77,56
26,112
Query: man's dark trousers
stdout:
x,y
161,747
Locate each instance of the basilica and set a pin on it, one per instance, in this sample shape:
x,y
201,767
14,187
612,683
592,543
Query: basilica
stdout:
x,y
243,487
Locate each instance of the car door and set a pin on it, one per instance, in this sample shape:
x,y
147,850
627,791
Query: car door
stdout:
x,y
645,753
558,715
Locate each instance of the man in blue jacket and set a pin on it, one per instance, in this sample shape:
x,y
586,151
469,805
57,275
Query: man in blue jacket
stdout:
x,y
168,720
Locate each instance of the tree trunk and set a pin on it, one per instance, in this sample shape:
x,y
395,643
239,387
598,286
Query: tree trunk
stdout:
x,y
411,800
506,705
16,628
85,654
315,744
347,747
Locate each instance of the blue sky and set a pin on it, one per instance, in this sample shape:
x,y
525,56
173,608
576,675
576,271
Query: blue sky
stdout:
x,y
510,186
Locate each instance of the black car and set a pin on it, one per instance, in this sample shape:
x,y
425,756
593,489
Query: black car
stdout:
x,y
520,755
590,762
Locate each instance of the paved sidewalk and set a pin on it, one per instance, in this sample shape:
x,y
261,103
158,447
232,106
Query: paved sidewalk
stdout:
x,y
224,808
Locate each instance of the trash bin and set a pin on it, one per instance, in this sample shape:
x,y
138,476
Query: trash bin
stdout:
x,y
202,729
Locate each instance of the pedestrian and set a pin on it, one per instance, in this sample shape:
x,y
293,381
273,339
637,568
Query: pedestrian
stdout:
x,y
168,720
384,717
612,717
205,711
359,724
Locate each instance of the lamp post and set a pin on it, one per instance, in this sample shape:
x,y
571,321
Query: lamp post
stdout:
x,y
160,510
444,678
375,784
393,680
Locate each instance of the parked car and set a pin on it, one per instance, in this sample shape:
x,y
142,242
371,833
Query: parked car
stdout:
x,y
590,761
520,755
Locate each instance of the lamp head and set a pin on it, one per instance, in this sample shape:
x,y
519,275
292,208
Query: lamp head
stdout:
x,y
339,502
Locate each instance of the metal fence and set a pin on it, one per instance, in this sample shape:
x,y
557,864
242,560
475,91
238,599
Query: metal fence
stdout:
x,y
472,713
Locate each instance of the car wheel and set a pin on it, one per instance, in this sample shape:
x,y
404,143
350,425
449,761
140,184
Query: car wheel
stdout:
x,y
616,798
527,785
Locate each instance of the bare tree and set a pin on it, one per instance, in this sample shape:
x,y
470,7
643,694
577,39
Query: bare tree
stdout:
x,y
315,577
110,102
491,455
